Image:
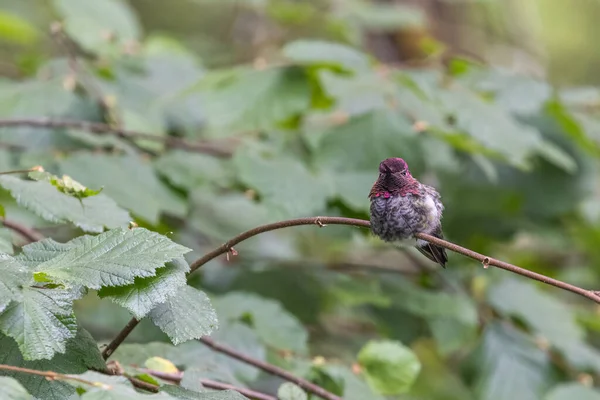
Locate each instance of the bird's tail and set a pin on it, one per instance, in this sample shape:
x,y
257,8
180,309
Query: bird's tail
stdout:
x,y
434,253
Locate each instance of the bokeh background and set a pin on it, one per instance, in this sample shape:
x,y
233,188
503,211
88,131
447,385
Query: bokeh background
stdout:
x,y
493,102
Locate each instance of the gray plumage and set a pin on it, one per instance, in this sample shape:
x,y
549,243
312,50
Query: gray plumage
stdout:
x,y
401,206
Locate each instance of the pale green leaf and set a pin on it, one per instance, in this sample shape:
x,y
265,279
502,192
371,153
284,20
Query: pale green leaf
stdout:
x,y
537,309
222,215
572,391
81,354
283,183
127,180
11,389
557,156
6,243
275,326
354,387
16,29
187,314
189,170
387,17
389,366
37,253
357,94
113,258
145,293
365,140
14,277
185,394
258,100
41,322
66,184
92,24
91,214
510,366
318,52
291,391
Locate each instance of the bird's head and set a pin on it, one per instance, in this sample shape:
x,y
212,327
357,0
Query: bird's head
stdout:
x,y
393,176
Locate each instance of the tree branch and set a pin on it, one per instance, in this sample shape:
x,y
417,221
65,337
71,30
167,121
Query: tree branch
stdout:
x,y
271,369
101,129
28,233
323,221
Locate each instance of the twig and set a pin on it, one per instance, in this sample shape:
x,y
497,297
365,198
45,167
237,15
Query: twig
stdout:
x,y
28,233
487,261
20,171
271,369
100,129
176,377
52,376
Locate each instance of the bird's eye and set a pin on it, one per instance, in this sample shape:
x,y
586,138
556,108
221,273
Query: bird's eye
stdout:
x,y
403,173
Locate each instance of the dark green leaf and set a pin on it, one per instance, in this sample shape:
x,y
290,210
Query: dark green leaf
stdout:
x,y
81,354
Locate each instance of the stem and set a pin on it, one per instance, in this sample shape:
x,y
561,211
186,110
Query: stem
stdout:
x,y
28,233
100,129
271,369
176,377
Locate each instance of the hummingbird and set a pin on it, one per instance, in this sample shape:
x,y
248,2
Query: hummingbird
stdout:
x,y
401,206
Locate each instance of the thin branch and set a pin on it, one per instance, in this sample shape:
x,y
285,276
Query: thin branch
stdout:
x,y
323,221
487,261
52,376
21,171
101,129
228,247
271,369
28,233
176,378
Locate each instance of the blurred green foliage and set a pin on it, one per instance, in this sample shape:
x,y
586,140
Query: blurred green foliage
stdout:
x,y
293,91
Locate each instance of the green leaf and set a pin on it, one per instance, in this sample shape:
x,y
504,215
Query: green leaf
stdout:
x,y
16,29
354,387
384,17
258,100
389,366
36,253
14,277
92,24
283,183
537,309
510,366
491,126
81,354
291,391
113,258
66,184
6,245
366,140
557,156
189,170
41,322
275,326
145,293
356,94
223,215
318,52
91,214
11,389
126,179
186,394
571,391
187,314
